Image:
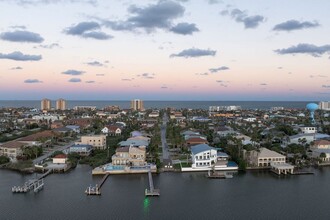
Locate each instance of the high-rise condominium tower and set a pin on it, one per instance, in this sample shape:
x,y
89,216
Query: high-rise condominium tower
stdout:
x,y
60,104
45,104
137,105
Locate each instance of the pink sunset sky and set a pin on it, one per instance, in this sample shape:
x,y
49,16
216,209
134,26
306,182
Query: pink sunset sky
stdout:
x,y
165,50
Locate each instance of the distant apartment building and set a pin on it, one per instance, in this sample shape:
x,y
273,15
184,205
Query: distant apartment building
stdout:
x,y
324,106
137,105
60,104
97,141
224,108
83,108
277,108
45,104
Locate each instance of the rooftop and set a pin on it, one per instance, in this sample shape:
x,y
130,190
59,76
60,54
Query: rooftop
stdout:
x,y
200,148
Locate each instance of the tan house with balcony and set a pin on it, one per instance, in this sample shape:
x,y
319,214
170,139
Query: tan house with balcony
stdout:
x,y
135,156
12,149
264,157
97,141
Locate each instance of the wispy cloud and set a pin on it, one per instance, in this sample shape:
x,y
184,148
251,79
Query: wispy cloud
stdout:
x,y
19,56
74,80
194,52
32,81
87,30
309,49
292,25
149,18
22,36
90,81
48,2
48,46
100,74
202,74
127,79
146,75
249,21
326,86
184,28
215,70
73,72
16,68
263,84
95,63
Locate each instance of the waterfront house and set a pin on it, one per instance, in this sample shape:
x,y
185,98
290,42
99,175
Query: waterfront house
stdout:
x,y
321,144
97,141
60,159
264,157
12,149
203,156
37,139
133,156
112,130
82,150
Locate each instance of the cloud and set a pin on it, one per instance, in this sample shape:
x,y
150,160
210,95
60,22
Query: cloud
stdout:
x,y
147,75
16,68
87,30
74,80
223,83
249,21
184,28
309,49
100,74
212,2
48,2
202,74
22,36
49,46
19,56
18,27
215,70
263,84
291,25
90,81
94,63
318,76
127,79
32,81
194,52
164,87
98,35
73,72
149,18
326,86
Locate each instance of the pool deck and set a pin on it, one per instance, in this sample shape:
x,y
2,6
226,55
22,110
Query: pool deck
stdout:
x,y
127,170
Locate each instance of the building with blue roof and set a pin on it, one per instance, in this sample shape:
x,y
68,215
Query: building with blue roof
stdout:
x,y
81,149
205,158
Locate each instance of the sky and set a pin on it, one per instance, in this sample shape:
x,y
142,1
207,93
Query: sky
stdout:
x,y
222,50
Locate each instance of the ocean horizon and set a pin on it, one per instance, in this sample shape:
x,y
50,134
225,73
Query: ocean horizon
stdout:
x,y
149,104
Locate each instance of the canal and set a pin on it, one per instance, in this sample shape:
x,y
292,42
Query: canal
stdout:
x,y
251,195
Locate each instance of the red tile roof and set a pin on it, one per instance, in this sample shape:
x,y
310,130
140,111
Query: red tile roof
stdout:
x,y
60,156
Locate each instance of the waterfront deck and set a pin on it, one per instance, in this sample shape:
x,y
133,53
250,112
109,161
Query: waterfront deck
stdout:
x,y
36,184
219,175
96,190
151,191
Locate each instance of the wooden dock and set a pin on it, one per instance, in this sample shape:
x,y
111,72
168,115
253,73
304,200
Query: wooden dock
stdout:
x,y
96,190
218,175
152,191
36,184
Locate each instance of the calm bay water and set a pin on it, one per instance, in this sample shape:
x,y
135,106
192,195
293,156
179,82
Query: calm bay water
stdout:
x,y
251,195
162,104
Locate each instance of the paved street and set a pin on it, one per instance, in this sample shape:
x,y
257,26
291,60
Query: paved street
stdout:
x,y
166,155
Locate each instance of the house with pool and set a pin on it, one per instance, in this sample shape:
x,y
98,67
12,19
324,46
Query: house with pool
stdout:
x,y
127,160
206,158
